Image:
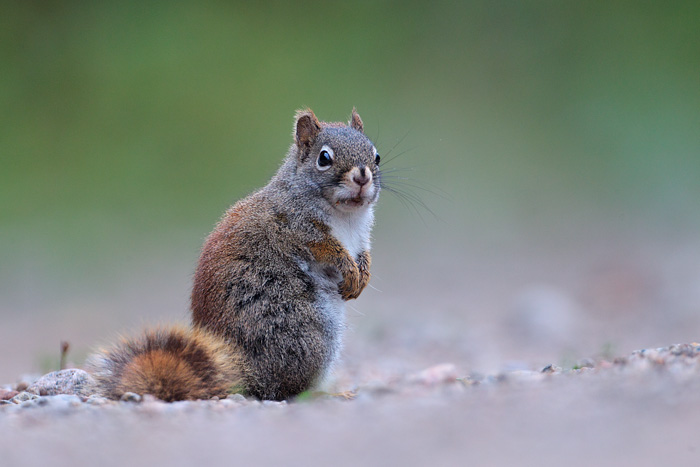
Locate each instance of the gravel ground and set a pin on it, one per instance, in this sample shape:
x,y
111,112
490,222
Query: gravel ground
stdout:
x,y
642,409
444,357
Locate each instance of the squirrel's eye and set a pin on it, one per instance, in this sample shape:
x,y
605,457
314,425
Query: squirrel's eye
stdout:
x,y
377,159
325,159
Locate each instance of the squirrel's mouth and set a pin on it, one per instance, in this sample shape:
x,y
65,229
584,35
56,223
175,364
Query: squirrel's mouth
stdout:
x,y
349,199
352,202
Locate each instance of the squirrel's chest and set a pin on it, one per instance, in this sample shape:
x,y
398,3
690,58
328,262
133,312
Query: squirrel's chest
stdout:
x,y
353,232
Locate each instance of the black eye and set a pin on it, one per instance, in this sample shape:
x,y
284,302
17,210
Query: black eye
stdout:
x,y
324,159
377,159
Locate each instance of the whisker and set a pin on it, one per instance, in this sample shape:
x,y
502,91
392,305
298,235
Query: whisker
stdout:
x,y
403,199
399,197
355,310
388,161
413,183
397,143
411,202
417,200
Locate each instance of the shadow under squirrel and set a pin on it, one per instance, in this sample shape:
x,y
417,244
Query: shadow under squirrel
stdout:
x,y
267,304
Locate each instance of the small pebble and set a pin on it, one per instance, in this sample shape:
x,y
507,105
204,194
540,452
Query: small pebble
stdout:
x,y
228,403
97,400
25,381
236,397
274,403
130,397
30,404
59,401
7,394
585,363
551,368
23,396
71,381
438,374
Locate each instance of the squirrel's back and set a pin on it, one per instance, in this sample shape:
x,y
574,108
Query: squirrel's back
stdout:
x,y
171,364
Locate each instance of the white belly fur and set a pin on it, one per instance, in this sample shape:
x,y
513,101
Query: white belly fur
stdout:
x,y
353,230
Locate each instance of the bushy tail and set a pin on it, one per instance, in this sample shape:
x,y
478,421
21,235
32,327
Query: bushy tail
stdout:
x,y
171,364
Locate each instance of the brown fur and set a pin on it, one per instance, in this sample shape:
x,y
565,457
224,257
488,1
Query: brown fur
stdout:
x,y
356,122
307,128
331,252
248,269
172,364
364,261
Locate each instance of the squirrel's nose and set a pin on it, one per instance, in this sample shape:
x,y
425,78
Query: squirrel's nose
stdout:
x,y
362,176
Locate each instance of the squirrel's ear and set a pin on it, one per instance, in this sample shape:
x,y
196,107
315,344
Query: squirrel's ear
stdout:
x,y
306,129
356,122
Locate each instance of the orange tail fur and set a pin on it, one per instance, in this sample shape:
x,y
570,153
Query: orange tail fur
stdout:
x,y
171,364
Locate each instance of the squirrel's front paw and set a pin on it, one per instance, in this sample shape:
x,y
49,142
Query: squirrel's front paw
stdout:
x,y
356,278
350,287
364,261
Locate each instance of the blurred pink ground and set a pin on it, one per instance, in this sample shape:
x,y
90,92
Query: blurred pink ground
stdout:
x,y
512,307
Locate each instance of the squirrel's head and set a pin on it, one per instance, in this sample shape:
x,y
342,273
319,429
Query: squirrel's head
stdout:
x,y
338,159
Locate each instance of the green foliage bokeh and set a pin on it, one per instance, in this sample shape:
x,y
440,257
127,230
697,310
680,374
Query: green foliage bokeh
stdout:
x,y
127,121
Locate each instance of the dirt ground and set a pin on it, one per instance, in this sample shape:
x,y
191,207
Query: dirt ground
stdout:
x,y
634,412
449,377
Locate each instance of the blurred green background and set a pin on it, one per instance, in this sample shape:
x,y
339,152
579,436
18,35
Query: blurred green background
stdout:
x,y
127,128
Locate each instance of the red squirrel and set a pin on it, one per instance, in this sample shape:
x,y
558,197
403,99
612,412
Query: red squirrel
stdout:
x,y
268,301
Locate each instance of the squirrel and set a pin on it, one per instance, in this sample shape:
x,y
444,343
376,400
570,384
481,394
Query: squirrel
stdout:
x,y
267,303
